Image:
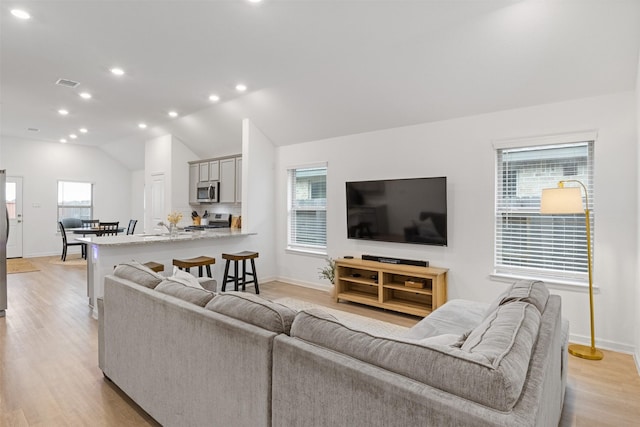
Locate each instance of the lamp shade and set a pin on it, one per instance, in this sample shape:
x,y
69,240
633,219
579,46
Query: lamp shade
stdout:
x,y
561,201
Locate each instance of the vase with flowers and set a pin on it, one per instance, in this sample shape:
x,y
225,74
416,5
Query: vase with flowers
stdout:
x,y
174,218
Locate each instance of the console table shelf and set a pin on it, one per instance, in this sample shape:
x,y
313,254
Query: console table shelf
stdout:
x,y
383,285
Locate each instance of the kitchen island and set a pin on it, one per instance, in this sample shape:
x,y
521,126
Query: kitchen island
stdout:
x,y
105,252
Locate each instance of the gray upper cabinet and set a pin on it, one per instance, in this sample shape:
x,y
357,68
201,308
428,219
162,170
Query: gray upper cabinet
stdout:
x,y
194,171
227,170
228,180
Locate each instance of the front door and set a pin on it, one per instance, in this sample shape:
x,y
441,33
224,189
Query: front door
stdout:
x,y
14,207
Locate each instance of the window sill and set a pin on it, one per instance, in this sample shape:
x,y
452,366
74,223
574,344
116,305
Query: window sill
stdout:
x,y
552,283
306,251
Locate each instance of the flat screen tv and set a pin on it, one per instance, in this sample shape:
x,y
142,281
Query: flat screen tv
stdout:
x,y
398,210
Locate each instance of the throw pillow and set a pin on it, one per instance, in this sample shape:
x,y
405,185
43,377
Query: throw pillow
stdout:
x,y
138,273
185,278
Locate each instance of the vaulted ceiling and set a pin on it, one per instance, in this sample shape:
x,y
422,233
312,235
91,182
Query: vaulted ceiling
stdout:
x,y
314,69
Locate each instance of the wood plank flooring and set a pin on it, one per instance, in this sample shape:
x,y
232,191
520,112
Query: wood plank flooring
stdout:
x,y
49,373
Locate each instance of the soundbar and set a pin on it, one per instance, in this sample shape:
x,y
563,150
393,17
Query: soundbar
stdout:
x,y
395,260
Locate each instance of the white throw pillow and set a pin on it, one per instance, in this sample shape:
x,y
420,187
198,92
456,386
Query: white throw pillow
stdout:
x,y
185,278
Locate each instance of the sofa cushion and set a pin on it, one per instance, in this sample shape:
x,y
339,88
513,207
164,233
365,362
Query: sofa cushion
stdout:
x,y
138,273
187,293
456,316
485,373
254,310
530,291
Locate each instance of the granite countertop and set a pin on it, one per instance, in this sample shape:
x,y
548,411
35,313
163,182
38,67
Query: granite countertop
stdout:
x,y
141,239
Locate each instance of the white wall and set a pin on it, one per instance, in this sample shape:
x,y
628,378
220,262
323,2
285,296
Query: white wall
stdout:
x,y
637,299
42,164
137,199
461,150
258,213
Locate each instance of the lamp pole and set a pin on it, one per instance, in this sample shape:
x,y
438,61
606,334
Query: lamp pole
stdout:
x,y
591,353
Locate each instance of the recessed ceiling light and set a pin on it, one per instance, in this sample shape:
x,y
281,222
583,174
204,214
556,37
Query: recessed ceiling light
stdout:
x,y
73,136
214,98
142,125
117,71
21,14
64,141
83,130
241,87
85,95
255,1
173,114
63,112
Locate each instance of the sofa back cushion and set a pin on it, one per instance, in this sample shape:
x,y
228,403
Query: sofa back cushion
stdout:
x,y
138,273
254,310
187,293
531,291
490,369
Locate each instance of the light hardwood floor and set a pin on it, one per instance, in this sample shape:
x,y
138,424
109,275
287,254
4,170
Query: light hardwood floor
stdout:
x,y
49,372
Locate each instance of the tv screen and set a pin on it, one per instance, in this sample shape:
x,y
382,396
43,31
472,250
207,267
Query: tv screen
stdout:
x,y
398,210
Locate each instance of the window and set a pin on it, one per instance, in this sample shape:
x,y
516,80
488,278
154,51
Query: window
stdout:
x,y
75,200
530,244
307,210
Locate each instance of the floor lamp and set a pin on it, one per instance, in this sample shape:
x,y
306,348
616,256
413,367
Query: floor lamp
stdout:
x,y
568,200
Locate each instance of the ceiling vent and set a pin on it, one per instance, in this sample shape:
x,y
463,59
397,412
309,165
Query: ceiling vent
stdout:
x,y
67,83
33,129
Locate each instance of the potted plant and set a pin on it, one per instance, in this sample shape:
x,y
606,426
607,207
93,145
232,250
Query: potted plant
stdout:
x,y
329,272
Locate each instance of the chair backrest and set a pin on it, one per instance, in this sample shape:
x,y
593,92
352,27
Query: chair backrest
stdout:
x,y
109,228
132,226
71,222
90,223
63,233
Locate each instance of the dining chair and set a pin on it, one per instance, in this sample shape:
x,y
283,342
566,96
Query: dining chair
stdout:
x,y
66,243
108,228
90,223
132,226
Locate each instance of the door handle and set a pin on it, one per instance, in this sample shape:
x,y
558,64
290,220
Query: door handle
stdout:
x,y
19,220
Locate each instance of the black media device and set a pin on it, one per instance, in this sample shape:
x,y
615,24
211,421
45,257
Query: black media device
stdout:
x,y
398,210
395,260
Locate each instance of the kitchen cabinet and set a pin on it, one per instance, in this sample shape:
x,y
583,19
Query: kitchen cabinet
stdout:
x,y
238,179
209,171
228,180
194,175
227,170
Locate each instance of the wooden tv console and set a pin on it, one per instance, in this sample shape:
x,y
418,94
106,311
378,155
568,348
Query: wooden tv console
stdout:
x,y
385,285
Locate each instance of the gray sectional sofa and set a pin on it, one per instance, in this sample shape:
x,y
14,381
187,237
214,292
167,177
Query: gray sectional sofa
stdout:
x,y
189,357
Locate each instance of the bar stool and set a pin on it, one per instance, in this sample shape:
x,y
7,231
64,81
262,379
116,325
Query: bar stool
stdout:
x,y
201,261
154,266
240,256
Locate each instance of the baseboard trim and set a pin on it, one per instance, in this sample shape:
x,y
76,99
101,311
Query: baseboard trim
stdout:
x,y
604,344
312,285
636,358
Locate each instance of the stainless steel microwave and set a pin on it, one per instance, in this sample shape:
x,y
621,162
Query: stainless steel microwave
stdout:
x,y
208,192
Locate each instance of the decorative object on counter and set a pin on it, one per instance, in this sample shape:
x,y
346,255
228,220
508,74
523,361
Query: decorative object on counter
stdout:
x,y
236,222
329,273
205,218
195,217
174,218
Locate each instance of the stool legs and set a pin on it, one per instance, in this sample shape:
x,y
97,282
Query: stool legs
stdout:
x,y
236,275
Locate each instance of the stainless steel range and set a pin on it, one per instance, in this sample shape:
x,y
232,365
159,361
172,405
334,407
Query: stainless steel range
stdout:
x,y
216,220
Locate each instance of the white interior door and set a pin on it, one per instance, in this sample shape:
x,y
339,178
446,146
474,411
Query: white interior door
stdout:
x,y
14,207
158,212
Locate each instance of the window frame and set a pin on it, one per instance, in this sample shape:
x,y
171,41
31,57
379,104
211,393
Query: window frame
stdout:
x,y
59,206
549,274
296,246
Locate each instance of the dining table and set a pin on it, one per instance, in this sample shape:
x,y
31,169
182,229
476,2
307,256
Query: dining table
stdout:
x,y
89,231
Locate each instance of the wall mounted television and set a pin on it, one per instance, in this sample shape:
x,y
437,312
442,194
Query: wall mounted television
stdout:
x,y
398,210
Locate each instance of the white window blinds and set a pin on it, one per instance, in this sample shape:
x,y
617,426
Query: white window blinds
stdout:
x,y
528,243
307,213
